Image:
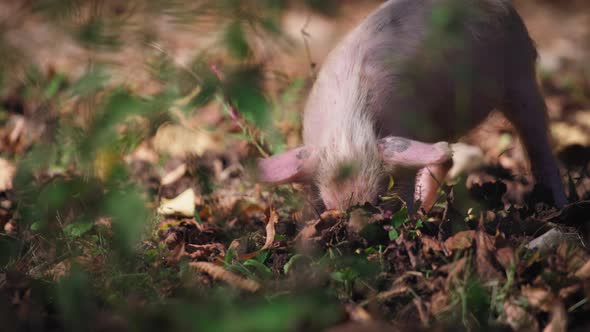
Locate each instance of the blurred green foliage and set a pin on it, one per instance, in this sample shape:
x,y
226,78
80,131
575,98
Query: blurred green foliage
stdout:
x,y
74,194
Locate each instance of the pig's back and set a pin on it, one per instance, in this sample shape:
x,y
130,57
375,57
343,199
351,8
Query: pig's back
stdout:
x,y
423,69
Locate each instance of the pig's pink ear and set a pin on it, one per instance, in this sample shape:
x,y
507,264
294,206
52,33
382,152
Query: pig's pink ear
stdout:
x,y
294,165
406,152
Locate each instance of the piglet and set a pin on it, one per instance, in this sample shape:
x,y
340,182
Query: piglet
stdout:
x,y
414,75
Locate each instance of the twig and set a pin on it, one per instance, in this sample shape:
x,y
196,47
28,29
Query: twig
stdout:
x,y
305,36
160,49
219,273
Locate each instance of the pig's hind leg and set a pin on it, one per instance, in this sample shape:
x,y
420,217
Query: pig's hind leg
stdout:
x,y
525,107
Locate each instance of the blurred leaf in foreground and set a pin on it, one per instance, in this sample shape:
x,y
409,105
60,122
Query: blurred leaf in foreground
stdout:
x,y
94,80
244,89
75,301
236,40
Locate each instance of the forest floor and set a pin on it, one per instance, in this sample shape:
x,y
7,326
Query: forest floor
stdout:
x,y
114,223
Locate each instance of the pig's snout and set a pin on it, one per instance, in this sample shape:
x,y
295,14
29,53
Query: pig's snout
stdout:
x,y
355,191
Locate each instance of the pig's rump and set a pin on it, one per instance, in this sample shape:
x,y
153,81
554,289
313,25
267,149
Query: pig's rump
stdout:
x,y
423,69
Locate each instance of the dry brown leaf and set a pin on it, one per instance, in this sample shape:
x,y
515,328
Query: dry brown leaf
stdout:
x,y
484,241
332,214
174,175
234,245
182,205
206,250
59,270
460,241
582,118
273,219
574,256
422,311
177,252
171,239
17,130
105,222
253,210
430,243
314,227
5,204
538,298
566,292
519,319
439,302
10,228
179,141
226,200
406,276
143,153
309,230
506,257
566,134
358,313
219,273
7,170
454,269
583,272
394,292
484,249
411,251
558,321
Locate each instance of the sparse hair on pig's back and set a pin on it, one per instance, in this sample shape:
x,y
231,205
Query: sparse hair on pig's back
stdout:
x,y
350,168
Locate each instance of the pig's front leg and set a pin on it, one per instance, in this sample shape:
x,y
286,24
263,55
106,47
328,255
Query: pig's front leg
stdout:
x,y
422,167
429,179
526,109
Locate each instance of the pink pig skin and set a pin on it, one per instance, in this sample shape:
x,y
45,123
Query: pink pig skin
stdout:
x,y
413,73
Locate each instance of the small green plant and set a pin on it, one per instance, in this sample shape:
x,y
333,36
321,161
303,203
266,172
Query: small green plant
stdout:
x,y
397,221
347,276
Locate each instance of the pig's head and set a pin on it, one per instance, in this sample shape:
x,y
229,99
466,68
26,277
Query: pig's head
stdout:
x,y
355,174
